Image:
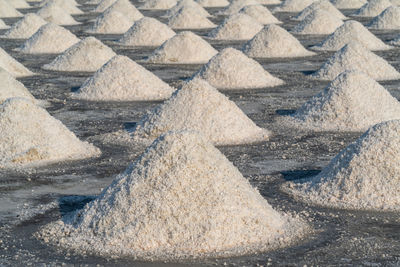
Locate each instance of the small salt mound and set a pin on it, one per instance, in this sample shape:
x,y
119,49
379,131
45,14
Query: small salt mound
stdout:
x,y
348,4
260,13
64,4
49,39
87,55
121,79
147,32
293,5
365,175
40,138
183,48
188,4
51,12
373,8
236,27
3,25
213,3
158,4
12,66
354,56
231,69
275,42
8,11
19,4
321,4
111,22
351,31
318,22
236,5
25,27
189,18
103,5
10,87
389,19
127,9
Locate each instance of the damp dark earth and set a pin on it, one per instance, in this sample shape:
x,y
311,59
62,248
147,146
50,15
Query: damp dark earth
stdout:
x,y
31,198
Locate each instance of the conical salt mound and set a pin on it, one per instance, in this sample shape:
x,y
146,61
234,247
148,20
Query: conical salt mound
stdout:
x,y
111,22
15,68
49,39
293,5
197,205
365,175
354,56
126,8
8,11
121,79
19,4
236,5
10,87
158,4
231,69
87,55
373,8
213,3
66,5
348,4
236,27
323,5
25,27
188,4
260,13
318,22
275,42
189,18
183,48
387,20
51,12
351,31
147,32
103,5
3,25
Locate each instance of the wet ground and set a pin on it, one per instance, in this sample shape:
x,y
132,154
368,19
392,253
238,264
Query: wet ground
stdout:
x,y
34,197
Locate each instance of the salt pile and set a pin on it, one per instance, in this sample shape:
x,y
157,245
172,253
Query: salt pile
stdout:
x,y
8,11
348,4
126,8
10,87
147,32
365,175
111,22
103,5
373,8
351,31
19,4
260,13
15,68
49,39
318,22
87,55
389,19
187,4
293,5
354,56
189,18
158,4
183,48
121,79
236,5
275,42
51,12
321,4
25,27
3,26
213,3
231,69
67,5
236,27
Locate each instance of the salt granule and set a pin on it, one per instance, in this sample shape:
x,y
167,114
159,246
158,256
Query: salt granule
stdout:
x,y
121,79
103,5
10,87
348,4
19,4
188,4
66,5
389,19
158,4
3,25
293,5
321,4
236,5
8,11
15,68
25,27
111,22
231,69
188,18
127,9
318,22
260,13
372,8
52,12
213,3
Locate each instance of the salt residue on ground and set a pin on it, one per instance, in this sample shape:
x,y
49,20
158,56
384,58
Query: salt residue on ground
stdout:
x,y
389,19
111,22
10,87
25,27
323,5
11,65
189,18
318,22
260,13
372,8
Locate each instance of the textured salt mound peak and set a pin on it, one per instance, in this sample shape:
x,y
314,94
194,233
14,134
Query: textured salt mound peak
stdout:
x,y
188,4
365,175
322,4
15,68
10,87
189,18
354,56
231,69
103,5
213,3
19,4
293,5
158,4
198,205
236,27
121,79
67,5
25,27
389,19
318,22
51,12
111,22
40,138
87,55
275,42
8,11
49,39
260,13
147,32
236,5
373,8
183,48
126,8
348,4
3,26
351,31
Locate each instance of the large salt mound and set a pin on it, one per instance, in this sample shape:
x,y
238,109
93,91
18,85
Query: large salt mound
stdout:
x,y
275,42
213,3
40,138
183,48
293,5
111,22
103,5
260,13
348,4
188,4
231,69
236,5
126,8
236,27
147,32
189,18
3,25
25,27
318,22
365,175
15,68
19,4
158,4
10,87
121,79
87,55
321,4
51,12
354,56
389,19
351,31
8,11
373,8
67,5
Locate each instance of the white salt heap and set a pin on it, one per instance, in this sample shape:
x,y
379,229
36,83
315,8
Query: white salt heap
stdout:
x,y
121,79
3,25
213,3
10,87
389,19
41,138
231,69
111,22
365,175
103,5
318,22
49,39
182,198
275,42
87,55
348,4
260,13
25,27
15,68
293,5
373,8
158,4
354,56
183,48
8,11
351,31
236,5
126,8
66,5
19,4
321,4
236,27
51,12
189,18
147,32
187,4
